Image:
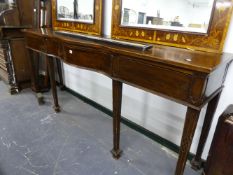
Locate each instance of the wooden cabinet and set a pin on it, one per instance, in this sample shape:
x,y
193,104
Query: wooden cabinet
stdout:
x,y
22,14
20,60
220,158
14,68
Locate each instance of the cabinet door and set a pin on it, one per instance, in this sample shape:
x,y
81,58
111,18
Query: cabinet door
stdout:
x,y
20,60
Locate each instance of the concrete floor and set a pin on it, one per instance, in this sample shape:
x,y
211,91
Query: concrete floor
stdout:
x,y
77,141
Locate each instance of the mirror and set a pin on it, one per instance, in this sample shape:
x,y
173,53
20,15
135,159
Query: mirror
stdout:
x,y
76,10
79,16
203,30
4,5
192,16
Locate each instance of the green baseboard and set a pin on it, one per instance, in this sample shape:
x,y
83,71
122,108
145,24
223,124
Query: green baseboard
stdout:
x,y
130,124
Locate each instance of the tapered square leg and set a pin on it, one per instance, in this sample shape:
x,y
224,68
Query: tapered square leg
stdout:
x,y
34,73
190,124
32,67
197,161
53,83
117,100
59,70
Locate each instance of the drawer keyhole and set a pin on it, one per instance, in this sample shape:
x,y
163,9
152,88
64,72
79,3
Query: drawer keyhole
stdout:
x,y
70,51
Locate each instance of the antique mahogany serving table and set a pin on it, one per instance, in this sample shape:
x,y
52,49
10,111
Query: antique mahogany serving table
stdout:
x,y
188,77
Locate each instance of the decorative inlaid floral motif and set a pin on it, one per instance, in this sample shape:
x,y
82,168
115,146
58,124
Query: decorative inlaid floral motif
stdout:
x,y
213,42
117,7
168,36
175,37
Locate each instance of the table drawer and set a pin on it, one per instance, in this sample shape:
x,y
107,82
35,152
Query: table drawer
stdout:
x,y
156,78
88,58
36,43
53,47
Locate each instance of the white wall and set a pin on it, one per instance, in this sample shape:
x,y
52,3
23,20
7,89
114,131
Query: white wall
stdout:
x,y
158,115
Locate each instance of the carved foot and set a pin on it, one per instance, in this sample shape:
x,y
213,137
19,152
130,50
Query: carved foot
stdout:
x,y
196,165
40,98
62,88
116,154
203,173
14,90
57,109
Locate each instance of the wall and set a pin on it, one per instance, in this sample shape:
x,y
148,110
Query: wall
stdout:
x,y
158,115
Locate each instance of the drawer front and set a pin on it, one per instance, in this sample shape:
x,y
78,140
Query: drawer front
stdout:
x,y
88,58
53,47
156,78
37,43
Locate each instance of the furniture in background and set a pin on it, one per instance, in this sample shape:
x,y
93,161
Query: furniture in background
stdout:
x,y
44,18
220,158
14,66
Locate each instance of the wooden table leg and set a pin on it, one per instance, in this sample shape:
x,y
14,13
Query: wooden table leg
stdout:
x,y
34,79
197,161
53,83
34,83
190,124
117,99
59,70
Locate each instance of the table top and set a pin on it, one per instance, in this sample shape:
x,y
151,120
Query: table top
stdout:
x,y
199,61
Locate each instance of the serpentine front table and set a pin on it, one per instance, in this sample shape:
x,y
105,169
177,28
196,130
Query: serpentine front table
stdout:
x,y
188,77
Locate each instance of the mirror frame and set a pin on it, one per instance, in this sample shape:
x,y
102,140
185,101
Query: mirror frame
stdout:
x,y
94,28
213,41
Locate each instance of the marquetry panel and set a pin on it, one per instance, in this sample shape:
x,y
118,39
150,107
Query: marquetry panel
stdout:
x,y
212,42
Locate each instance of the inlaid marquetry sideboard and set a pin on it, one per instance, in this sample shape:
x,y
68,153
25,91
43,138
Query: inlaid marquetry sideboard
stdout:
x,y
191,78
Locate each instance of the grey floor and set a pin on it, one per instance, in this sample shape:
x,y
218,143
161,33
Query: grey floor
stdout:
x,y
77,141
